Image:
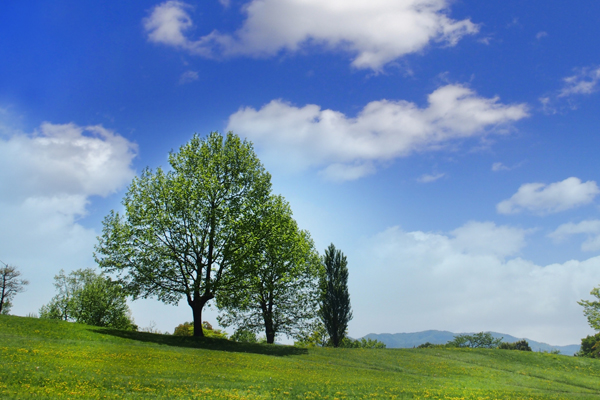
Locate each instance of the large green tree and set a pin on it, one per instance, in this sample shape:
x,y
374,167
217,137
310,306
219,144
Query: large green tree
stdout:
x,y
279,292
335,309
184,231
89,298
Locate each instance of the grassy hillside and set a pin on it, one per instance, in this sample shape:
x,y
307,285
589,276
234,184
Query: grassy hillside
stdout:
x,y
55,359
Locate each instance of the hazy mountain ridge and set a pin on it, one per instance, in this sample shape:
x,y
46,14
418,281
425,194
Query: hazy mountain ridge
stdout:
x,y
414,339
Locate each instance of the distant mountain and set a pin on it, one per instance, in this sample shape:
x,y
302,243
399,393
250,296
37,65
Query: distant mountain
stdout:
x,y
408,340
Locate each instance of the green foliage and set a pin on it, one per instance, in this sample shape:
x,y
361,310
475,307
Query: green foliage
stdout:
x,y
187,329
428,345
477,340
364,343
244,336
335,309
89,298
316,336
185,232
521,345
10,285
51,359
279,289
590,347
591,309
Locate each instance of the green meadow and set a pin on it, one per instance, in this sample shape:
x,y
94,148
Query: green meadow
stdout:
x,y
56,359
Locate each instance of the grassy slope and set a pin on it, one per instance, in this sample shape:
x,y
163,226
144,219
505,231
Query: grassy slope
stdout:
x,y
55,359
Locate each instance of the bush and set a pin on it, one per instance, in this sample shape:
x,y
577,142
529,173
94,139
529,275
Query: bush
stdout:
x,y
364,343
428,345
590,347
477,340
187,329
521,345
244,336
89,298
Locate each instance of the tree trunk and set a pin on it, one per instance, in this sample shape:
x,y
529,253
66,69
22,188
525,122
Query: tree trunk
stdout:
x,y
197,306
268,319
197,312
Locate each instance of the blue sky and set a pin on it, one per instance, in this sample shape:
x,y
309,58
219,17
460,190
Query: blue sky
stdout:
x,y
448,148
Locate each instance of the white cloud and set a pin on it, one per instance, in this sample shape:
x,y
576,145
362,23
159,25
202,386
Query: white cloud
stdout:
x,y
590,227
64,159
541,35
342,172
188,77
427,178
498,166
585,81
302,137
469,280
543,199
47,180
376,32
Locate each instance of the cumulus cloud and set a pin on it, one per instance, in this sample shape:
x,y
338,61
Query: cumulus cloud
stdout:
x,y
302,137
64,160
468,280
47,180
544,199
591,228
375,32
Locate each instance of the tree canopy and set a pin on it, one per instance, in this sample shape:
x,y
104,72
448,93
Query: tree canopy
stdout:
x,y
185,232
335,311
591,309
89,298
279,291
476,340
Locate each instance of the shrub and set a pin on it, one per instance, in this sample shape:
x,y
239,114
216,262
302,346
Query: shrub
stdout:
x,y
428,345
364,343
590,347
521,345
187,329
477,340
244,336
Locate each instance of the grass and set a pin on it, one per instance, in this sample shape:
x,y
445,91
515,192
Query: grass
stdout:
x,y
56,359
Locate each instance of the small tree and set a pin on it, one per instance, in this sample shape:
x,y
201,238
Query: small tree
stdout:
x,y
89,298
477,340
10,285
590,347
335,309
522,345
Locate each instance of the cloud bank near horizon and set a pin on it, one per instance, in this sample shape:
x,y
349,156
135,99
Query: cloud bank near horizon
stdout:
x,y
471,279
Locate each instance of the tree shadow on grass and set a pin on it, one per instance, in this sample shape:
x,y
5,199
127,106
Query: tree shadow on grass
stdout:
x,y
204,343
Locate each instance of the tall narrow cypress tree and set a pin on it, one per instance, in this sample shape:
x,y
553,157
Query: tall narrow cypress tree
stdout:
x,y
335,309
